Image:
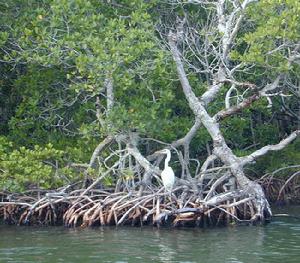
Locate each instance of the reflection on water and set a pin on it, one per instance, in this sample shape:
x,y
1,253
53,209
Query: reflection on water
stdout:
x,y
276,242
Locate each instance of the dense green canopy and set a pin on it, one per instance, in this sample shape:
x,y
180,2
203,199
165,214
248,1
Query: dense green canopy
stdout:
x,y
58,59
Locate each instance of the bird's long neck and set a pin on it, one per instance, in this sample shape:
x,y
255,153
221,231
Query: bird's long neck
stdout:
x,y
168,158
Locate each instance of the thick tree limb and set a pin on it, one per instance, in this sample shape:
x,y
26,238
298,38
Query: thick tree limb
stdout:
x,y
142,160
150,169
207,162
218,199
221,149
189,136
211,93
194,103
98,150
264,150
216,184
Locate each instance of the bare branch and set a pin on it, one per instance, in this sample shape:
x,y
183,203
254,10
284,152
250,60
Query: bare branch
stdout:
x,y
207,162
103,176
142,160
218,199
264,150
194,103
216,184
237,83
286,183
98,150
272,86
228,96
189,136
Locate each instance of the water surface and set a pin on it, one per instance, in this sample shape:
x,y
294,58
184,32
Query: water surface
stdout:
x,y
279,241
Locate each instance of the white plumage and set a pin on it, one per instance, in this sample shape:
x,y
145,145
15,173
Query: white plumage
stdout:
x,y
167,175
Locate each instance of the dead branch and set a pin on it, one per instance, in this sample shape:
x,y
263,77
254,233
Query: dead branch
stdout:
x,y
264,150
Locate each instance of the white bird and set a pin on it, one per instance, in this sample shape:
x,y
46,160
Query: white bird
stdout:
x,y
167,175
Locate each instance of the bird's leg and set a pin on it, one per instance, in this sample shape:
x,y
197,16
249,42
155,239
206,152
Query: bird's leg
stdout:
x,y
166,192
170,195
164,196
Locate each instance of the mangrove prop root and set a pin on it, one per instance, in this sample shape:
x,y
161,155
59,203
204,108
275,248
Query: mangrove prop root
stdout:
x,y
97,207
282,191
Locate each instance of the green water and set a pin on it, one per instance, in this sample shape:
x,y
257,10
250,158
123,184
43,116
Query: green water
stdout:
x,y
279,241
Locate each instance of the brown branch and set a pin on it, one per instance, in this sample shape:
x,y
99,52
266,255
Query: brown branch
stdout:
x,y
235,109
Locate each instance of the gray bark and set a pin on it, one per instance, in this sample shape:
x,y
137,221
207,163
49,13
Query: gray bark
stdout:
x,y
221,149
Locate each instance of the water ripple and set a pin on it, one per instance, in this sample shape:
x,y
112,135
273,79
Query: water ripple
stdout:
x,y
276,242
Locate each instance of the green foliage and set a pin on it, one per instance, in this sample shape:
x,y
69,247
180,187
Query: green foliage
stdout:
x,y
56,55
277,23
23,168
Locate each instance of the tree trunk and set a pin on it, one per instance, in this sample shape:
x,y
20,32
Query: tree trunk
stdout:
x,y
220,147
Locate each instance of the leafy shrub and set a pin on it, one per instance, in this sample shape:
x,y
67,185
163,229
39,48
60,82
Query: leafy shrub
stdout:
x,y
28,168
